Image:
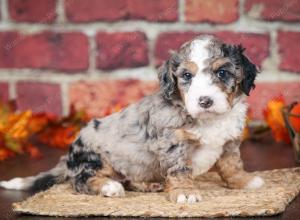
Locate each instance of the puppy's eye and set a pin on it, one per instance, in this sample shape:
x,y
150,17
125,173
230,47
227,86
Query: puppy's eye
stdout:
x,y
187,76
222,74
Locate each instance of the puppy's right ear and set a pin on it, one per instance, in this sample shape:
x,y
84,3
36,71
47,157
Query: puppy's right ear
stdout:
x,y
167,79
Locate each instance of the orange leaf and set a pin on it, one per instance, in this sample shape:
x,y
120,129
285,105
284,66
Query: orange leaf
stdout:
x,y
39,121
59,137
274,118
33,151
5,154
295,117
16,126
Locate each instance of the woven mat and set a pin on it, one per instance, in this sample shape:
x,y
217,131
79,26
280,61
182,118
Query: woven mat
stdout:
x,y
282,186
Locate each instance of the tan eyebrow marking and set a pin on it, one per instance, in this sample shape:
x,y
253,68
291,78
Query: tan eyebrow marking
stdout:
x,y
191,66
219,62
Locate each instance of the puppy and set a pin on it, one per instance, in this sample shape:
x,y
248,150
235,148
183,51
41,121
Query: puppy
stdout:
x,y
167,139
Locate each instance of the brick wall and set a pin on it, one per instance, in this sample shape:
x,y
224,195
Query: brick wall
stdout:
x,y
57,52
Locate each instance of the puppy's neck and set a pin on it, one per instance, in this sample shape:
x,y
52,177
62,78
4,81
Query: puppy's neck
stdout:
x,y
222,127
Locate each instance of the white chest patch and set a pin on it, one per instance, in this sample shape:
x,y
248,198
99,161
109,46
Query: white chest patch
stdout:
x,y
214,133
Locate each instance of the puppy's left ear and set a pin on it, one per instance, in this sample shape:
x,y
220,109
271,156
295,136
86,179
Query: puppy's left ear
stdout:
x,y
166,76
249,71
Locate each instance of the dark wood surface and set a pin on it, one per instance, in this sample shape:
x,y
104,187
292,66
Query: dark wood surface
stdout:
x,y
257,155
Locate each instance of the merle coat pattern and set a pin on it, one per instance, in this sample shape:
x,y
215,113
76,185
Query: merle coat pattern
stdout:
x,y
167,139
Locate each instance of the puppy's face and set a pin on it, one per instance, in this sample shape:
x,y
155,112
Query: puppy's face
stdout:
x,y
208,76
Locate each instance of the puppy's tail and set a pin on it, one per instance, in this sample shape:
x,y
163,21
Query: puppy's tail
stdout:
x,y
40,182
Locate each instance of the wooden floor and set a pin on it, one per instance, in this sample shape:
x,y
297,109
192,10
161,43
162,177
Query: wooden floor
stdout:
x,y
260,155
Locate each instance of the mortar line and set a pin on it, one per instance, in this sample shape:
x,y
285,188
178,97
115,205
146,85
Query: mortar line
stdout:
x,y
60,12
142,73
4,11
181,9
64,87
12,90
254,26
92,55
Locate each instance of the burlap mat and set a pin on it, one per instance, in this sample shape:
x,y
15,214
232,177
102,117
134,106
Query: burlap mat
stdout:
x,y
282,186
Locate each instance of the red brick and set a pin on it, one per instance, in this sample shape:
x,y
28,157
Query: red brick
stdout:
x,y
213,11
42,11
39,97
275,10
154,10
257,45
265,92
4,92
97,98
93,10
167,42
46,50
8,42
122,49
113,10
289,50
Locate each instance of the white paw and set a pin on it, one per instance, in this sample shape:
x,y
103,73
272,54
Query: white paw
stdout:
x,y
113,189
181,198
188,199
255,183
193,199
16,183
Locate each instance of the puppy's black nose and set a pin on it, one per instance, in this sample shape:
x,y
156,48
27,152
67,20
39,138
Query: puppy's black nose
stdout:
x,y
205,102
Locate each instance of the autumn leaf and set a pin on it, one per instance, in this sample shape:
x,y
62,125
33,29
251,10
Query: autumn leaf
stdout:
x,y
39,121
274,118
5,154
18,129
33,151
13,129
17,125
294,117
58,136
13,144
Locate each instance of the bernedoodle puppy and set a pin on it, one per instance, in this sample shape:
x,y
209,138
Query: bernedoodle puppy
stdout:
x,y
167,139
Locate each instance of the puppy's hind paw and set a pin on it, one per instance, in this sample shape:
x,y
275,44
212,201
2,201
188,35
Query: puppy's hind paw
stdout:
x,y
255,183
113,189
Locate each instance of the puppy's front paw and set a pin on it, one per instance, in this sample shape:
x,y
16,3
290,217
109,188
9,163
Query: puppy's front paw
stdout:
x,y
255,183
185,196
113,189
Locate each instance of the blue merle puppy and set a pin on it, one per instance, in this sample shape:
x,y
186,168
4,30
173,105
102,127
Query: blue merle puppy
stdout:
x,y
195,121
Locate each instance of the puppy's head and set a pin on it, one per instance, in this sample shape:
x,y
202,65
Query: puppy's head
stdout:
x,y
207,75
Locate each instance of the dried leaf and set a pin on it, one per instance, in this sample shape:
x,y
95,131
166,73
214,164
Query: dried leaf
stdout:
x,y
5,154
58,136
13,144
17,125
274,118
33,151
39,121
